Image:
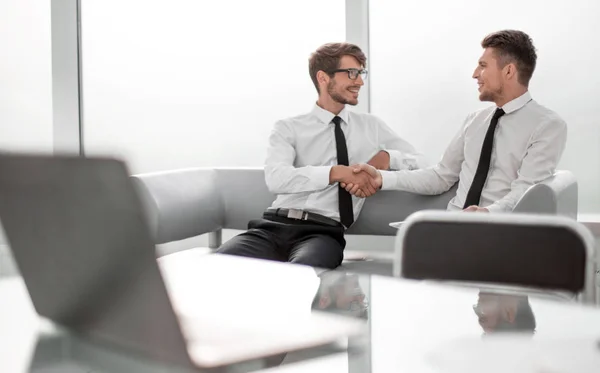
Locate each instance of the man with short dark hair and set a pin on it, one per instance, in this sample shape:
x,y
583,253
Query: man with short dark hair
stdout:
x,y
500,151
309,155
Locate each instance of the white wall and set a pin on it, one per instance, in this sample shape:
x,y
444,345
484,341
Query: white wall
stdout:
x,y
184,83
25,76
423,54
25,86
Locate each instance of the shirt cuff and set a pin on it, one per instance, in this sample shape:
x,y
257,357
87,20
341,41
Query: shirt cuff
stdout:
x,y
388,180
495,208
320,176
401,161
395,158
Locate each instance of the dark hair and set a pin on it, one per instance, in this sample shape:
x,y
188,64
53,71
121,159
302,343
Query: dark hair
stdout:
x,y
327,58
514,46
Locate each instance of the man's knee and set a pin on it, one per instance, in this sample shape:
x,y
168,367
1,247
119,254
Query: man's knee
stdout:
x,y
231,247
251,244
242,245
317,262
321,251
327,260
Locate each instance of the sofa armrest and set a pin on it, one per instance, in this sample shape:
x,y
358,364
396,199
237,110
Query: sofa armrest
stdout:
x,y
557,195
180,204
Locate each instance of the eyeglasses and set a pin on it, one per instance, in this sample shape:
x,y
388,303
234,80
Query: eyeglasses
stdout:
x,y
353,73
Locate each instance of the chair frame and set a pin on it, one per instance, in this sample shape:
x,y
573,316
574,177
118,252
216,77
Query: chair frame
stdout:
x,y
587,294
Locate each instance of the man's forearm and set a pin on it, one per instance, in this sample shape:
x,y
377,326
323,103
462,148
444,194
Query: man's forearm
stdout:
x,y
283,179
426,181
336,174
405,161
381,160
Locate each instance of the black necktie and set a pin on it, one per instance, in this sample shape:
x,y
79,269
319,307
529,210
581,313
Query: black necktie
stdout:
x,y
345,199
483,167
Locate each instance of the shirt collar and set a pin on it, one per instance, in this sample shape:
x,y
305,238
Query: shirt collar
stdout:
x,y
326,117
517,103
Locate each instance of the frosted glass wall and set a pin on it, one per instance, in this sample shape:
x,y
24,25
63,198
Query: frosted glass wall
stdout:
x,y
25,87
25,76
186,83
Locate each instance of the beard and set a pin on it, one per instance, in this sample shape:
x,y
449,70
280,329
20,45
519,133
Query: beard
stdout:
x,y
337,97
491,95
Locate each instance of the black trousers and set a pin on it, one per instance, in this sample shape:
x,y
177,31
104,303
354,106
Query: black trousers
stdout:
x,y
288,240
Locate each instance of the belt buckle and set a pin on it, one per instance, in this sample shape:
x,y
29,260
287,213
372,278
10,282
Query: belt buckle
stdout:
x,y
295,214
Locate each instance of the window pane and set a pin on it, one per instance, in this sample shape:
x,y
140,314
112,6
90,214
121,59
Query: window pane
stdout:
x,y
423,55
25,87
186,83
25,76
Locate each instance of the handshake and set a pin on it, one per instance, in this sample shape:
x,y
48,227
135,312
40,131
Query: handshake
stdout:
x,y
362,180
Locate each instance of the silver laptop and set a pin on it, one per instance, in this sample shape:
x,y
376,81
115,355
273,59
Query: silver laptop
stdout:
x,y
80,240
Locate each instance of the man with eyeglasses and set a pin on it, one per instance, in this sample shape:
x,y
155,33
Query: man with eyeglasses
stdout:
x,y
309,157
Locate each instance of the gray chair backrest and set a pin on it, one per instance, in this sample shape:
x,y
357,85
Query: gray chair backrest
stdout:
x,y
393,206
245,195
543,251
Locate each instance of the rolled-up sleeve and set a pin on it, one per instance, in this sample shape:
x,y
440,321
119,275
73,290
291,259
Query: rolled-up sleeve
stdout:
x,y
403,155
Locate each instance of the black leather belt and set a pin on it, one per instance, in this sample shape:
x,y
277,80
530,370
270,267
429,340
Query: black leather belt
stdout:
x,y
301,215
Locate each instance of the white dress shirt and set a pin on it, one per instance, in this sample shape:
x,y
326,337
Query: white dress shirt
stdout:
x,y
528,143
302,152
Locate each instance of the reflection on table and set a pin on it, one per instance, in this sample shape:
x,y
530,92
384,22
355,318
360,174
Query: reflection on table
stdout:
x,y
413,326
498,313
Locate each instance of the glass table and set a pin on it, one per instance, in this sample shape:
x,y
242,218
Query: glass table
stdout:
x,y
412,326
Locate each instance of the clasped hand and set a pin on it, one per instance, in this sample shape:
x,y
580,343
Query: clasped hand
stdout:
x,y
363,180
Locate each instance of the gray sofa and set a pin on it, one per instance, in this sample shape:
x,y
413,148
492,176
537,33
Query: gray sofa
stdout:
x,y
186,203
